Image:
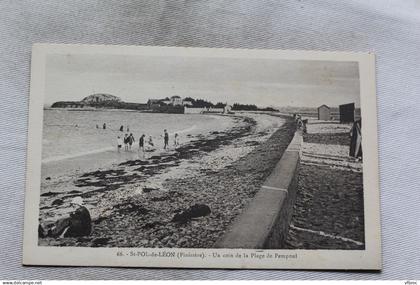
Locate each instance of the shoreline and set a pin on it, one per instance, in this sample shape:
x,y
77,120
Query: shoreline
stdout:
x,y
105,157
185,177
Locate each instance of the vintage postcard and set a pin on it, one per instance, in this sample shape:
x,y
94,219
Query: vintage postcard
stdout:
x,y
202,158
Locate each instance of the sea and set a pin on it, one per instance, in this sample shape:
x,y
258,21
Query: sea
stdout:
x,y
68,133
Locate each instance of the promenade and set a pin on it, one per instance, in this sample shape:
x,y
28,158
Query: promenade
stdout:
x,y
328,213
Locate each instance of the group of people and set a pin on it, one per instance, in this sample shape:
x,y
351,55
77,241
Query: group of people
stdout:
x,y
129,140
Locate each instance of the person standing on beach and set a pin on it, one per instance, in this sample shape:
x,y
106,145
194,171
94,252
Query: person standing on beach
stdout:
x,y
131,140
176,140
165,139
126,142
122,128
104,126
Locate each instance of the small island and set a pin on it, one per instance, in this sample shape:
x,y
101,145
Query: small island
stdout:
x,y
173,105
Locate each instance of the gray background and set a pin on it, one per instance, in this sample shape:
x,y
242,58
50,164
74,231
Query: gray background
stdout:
x,y
391,29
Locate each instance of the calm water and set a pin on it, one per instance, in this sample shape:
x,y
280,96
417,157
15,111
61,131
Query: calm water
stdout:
x,y
73,133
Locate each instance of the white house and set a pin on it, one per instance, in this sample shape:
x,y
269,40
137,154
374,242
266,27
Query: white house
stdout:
x,y
176,100
191,110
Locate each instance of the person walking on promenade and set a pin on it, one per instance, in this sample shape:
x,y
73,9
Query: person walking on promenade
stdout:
x,y
165,139
304,123
356,140
131,140
119,143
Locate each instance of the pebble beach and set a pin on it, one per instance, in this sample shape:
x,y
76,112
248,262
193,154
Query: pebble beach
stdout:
x,y
153,201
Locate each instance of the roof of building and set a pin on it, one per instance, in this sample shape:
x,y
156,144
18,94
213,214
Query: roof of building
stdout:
x,y
323,105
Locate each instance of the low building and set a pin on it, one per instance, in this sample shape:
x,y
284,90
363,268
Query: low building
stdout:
x,y
227,109
215,110
324,113
192,110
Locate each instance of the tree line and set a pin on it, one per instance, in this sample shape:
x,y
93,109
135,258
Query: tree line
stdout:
x,y
200,103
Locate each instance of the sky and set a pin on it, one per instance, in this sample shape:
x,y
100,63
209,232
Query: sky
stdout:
x,y
263,82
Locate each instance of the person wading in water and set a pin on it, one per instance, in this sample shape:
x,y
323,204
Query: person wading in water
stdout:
x,y
131,140
165,139
126,142
141,143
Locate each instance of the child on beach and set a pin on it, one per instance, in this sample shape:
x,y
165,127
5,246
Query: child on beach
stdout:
x,y
151,141
126,142
176,140
131,140
150,145
165,139
119,143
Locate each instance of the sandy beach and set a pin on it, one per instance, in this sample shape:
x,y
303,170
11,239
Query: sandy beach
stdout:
x,y
141,201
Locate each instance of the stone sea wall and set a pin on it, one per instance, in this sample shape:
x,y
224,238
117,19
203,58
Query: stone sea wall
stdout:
x,y
265,222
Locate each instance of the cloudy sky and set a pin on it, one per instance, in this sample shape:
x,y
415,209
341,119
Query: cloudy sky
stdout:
x,y
264,82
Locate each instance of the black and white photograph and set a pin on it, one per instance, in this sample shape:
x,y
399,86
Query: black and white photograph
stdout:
x,y
183,148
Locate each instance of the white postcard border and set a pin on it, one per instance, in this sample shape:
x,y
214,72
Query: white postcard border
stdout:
x,y
368,259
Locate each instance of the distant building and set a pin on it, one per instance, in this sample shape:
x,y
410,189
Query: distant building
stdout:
x,y
227,109
214,110
166,101
324,113
347,113
192,110
176,100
